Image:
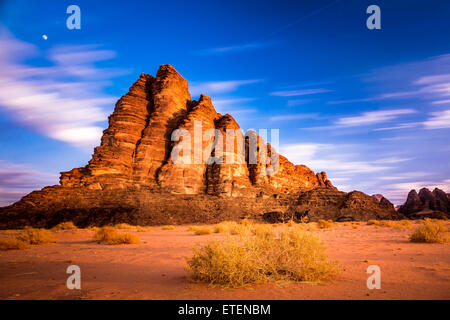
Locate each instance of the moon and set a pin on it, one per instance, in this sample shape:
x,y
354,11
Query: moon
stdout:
x,y
44,36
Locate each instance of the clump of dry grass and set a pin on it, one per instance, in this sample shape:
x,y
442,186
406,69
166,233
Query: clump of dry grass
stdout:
x,y
291,254
144,229
124,226
431,232
245,222
325,224
168,228
12,244
202,231
221,227
68,225
397,224
36,236
111,235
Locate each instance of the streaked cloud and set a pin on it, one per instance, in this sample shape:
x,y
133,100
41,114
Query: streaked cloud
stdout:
x,y
236,48
288,117
303,92
64,100
16,180
372,117
438,120
218,87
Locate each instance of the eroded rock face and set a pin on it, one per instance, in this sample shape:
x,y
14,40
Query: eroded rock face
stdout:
x,y
136,148
136,175
435,204
327,203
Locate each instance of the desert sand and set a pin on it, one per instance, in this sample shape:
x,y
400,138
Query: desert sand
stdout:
x,y
155,268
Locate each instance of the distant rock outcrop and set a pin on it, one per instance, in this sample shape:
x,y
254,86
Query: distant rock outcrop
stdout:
x,y
424,204
132,176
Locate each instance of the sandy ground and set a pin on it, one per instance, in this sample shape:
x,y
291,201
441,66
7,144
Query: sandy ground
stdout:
x,y
154,269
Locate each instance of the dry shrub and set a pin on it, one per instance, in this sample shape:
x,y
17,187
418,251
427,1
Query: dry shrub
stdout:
x,y
292,254
373,222
68,225
168,228
144,229
12,244
431,232
221,227
36,236
291,223
124,226
202,231
111,235
325,224
263,230
245,222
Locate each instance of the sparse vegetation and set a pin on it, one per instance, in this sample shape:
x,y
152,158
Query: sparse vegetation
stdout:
x,y
36,236
125,226
202,231
168,228
68,225
431,232
12,244
291,254
144,229
111,235
325,224
397,224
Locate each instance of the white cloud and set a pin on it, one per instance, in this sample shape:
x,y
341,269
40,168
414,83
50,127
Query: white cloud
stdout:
x,y
293,93
288,117
216,87
64,100
438,120
372,117
16,180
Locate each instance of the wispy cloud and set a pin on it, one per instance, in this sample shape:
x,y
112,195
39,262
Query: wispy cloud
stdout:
x,y
438,120
218,87
236,48
16,180
64,100
288,117
372,117
304,92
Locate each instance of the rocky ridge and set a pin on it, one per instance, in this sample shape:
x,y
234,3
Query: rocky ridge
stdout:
x,y
132,176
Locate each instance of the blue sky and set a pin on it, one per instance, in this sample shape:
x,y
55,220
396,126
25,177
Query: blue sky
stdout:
x,y
369,107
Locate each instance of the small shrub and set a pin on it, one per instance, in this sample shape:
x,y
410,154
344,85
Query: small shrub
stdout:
x,y
202,231
111,235
124,226
291,223
431,232
373,222
144,229
325,224
65,226
245,222
36,236
292,254
12,244
168,228
221,228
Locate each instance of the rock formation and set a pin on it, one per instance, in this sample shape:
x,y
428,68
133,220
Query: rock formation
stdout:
x,y
326,203
159,162
425,204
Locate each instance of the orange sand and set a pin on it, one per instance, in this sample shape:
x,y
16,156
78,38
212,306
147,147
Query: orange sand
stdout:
x,y
154,269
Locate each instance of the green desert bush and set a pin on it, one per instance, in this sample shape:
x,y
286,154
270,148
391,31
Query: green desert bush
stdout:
x,y
291,254
36,236
431,232
68,225
12,244
111,235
